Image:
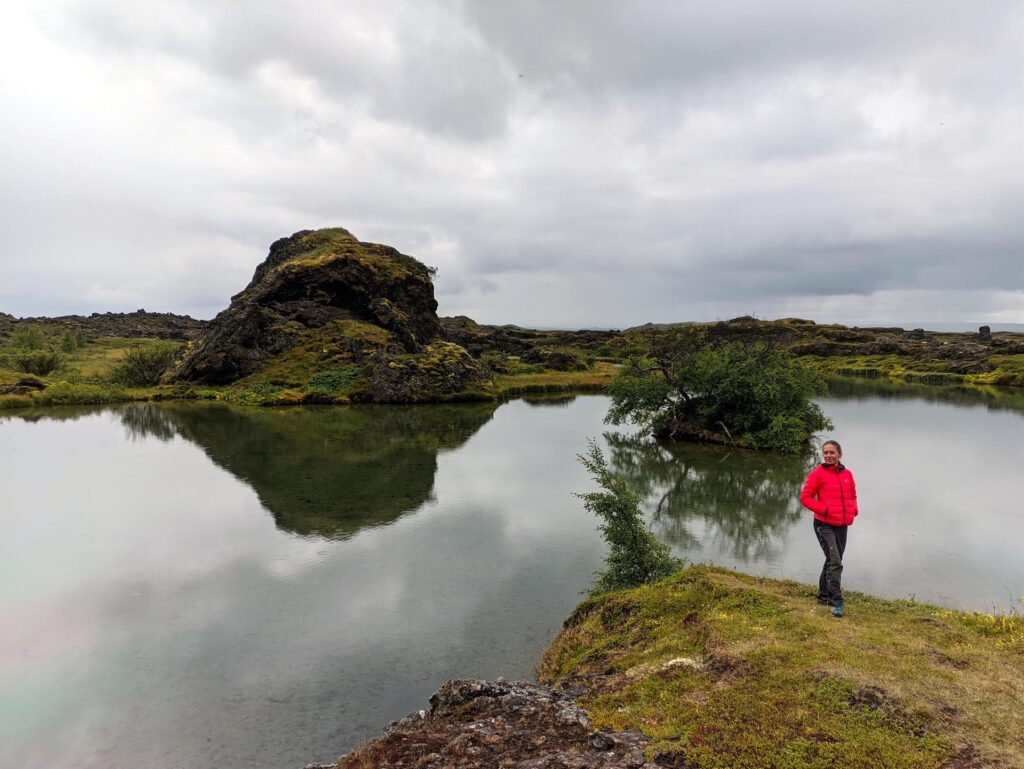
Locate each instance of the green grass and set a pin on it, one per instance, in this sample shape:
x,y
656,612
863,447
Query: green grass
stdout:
x,y
1008,371
727,670
597,378
85,372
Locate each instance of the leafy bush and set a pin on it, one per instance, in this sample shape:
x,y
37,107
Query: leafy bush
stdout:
x,y
71,341
143,366
27,339
38,362
742,393
635,556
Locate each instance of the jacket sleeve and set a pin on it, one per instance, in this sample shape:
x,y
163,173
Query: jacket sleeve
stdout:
x,y
853,488
809,492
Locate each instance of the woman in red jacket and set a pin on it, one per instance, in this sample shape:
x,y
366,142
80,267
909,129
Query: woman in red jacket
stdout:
x,y
830,492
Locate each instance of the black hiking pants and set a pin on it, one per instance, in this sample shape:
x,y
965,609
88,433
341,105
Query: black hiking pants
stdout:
x,y
833,543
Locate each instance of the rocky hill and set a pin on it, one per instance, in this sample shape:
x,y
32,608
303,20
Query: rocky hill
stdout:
x,y
323,303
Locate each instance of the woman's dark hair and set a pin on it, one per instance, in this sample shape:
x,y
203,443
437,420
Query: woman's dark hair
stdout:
x,y
833,443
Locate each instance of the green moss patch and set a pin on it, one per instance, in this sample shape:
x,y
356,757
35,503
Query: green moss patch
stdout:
x,y
334,244
728,670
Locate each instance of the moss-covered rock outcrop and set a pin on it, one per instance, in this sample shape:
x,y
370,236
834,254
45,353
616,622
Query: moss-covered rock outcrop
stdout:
x,y
308,281
330,319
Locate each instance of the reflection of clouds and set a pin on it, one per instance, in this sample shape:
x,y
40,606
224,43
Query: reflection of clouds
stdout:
x,y
172,623
212,635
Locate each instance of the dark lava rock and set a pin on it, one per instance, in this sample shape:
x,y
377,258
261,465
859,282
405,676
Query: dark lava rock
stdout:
x,y
823,348
307,281
25,386
1007,347
917,333
886,345
126,325
440,371
514,340
553,359
482,725
959,351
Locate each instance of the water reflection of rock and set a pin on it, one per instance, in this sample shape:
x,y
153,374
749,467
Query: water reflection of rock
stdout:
x,y
746,499
327,471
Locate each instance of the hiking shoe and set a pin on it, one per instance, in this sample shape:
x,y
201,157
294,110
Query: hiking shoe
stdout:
x,y
823,600
838,611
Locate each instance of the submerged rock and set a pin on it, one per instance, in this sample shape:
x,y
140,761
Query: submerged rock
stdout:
x,y
310,280
484,724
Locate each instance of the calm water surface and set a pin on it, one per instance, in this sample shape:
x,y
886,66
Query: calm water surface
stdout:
x,y
195,586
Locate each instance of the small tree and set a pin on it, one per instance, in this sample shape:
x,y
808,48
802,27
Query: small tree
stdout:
x,y
635,556
744,393
70,341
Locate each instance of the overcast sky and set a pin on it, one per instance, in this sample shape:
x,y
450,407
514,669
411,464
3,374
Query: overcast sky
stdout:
x,y
562,163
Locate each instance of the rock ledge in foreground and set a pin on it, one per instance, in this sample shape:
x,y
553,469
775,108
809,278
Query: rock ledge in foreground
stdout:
x,y
476,724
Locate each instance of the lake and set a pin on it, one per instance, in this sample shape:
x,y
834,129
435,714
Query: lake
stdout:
x,y
193,585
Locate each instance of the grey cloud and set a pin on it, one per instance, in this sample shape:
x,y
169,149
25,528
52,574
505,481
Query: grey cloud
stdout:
x,y
408,61
573,161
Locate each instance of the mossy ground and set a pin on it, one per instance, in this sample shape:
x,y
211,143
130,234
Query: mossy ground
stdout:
x,y
727,670
331,244
1008,369
597,377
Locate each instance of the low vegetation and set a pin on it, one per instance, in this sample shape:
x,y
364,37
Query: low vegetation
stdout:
x,y
726,670
635,556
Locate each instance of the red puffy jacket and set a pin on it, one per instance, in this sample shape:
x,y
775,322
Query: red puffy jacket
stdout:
x,y
831,493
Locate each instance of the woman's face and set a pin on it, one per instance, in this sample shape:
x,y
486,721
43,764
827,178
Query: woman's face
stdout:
x,y
830,454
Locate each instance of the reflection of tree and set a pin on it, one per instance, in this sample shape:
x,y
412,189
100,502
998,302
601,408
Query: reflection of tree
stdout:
x,y
147,420
329,471
559,400
746,498
993,398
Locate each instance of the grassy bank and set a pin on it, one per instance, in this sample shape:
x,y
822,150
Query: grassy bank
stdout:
x,y
597,378
1008,370
727,670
